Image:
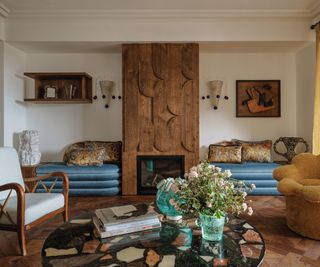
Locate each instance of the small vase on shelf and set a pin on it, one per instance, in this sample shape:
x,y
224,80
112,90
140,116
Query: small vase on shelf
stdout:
x,y
166,199
211,227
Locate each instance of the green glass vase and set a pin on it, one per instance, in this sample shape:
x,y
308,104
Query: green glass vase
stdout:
x,y
211,227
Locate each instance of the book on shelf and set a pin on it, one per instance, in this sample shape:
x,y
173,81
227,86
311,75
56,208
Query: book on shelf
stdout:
x,y
104,234
128,216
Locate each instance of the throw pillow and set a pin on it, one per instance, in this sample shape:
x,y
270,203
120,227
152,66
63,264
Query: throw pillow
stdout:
x,y
224,153
86,157
259,151
113,149
71,147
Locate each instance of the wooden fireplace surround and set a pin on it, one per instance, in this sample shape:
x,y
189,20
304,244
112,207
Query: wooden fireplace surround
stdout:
x,y
160,105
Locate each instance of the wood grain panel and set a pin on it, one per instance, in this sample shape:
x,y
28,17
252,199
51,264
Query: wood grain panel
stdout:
x,y
130,108
160,105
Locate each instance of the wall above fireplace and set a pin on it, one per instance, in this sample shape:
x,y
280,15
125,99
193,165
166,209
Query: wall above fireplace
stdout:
x,y
160,105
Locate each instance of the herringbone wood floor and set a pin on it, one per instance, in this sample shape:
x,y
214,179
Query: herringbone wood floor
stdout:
x,y
284,248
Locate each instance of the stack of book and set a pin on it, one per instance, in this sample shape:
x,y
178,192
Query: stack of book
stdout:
x,y
125,219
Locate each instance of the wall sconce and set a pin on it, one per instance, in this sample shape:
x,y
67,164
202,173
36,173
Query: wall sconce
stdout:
x,y
107,91
214,92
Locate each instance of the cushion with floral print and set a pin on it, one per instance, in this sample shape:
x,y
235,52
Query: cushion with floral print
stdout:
x,y
113,149
86,157
259,151
224,153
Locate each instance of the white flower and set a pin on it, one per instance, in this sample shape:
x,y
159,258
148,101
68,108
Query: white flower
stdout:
x,y
250,211
193,174
253,186
217,169
227,173
244,206
194,169
244,194
209,204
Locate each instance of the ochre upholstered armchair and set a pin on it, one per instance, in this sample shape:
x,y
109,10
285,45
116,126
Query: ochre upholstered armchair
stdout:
x,y
20,210
300,183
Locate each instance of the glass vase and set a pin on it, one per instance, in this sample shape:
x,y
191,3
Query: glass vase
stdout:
x,y
211,227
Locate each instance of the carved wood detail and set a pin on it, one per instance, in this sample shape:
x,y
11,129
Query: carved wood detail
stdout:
x,y
160,105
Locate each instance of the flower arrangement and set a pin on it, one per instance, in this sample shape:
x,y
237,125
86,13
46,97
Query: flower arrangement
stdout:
x,y
207,190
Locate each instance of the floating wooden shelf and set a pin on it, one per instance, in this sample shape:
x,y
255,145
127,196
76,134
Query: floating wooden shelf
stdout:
x,y
57,101
81,83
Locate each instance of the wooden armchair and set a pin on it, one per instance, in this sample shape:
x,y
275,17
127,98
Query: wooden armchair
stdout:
x,y
21,208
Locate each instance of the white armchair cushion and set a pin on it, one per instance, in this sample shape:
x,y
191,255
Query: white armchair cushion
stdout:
x,y
36,206
10,171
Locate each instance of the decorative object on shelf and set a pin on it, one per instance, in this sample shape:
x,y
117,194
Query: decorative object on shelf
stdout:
x,y
210,194
70,91
28,151
61,87
258,98
167,198
290,143
51,91
215,93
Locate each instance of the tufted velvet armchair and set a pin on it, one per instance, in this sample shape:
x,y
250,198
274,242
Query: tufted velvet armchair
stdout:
x,y
300,183
20,210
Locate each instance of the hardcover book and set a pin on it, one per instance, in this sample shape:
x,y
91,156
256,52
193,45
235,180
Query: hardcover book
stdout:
x,y
104,234
119,217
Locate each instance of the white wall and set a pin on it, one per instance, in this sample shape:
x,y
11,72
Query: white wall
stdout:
x,y
60,125
306,64
222,124
1,93
14,109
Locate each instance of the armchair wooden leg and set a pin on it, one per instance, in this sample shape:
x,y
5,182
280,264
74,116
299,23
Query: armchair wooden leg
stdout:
x,y
22,241
65,215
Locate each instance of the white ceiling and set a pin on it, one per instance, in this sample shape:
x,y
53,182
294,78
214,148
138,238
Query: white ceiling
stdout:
x,y
34,5
205,47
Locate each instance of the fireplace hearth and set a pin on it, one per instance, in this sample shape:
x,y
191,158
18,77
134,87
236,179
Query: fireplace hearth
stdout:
x,y
152,169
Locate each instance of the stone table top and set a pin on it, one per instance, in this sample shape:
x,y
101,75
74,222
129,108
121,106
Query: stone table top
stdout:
x,y
175,244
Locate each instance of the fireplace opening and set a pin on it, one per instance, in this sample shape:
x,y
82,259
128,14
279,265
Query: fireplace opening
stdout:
x,y
152,169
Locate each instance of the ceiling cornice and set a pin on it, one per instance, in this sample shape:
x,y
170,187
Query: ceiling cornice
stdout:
x,y
76,15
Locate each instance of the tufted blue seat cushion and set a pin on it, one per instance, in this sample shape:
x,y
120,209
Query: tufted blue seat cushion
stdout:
x,y
102,180
257,173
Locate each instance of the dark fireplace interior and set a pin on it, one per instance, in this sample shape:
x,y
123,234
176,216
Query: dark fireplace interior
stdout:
x,y
152,169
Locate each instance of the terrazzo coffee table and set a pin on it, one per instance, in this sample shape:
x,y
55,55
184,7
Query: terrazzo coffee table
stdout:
x,y
175,244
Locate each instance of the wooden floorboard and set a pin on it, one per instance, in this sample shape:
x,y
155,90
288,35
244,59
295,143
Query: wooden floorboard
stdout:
x,y
284,248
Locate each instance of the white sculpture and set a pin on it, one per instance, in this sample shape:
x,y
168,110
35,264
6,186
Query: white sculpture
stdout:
x,y
29,153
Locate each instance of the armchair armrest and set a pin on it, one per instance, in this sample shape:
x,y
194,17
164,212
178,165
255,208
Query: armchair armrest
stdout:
x,y
38,179
287,171
20,201
289,187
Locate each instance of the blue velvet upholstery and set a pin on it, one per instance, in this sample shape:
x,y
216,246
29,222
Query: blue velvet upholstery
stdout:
x,y
257,173
85,180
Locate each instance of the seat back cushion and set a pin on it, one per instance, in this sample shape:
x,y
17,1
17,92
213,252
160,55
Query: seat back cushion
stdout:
x,y
112,150
10,171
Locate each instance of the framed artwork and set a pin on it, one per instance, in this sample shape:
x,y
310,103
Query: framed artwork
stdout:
x,y
51,91
258,98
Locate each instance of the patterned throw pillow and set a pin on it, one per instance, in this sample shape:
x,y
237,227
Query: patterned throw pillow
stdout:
x,y
66,154
86,157
113,149
259,151
224,153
